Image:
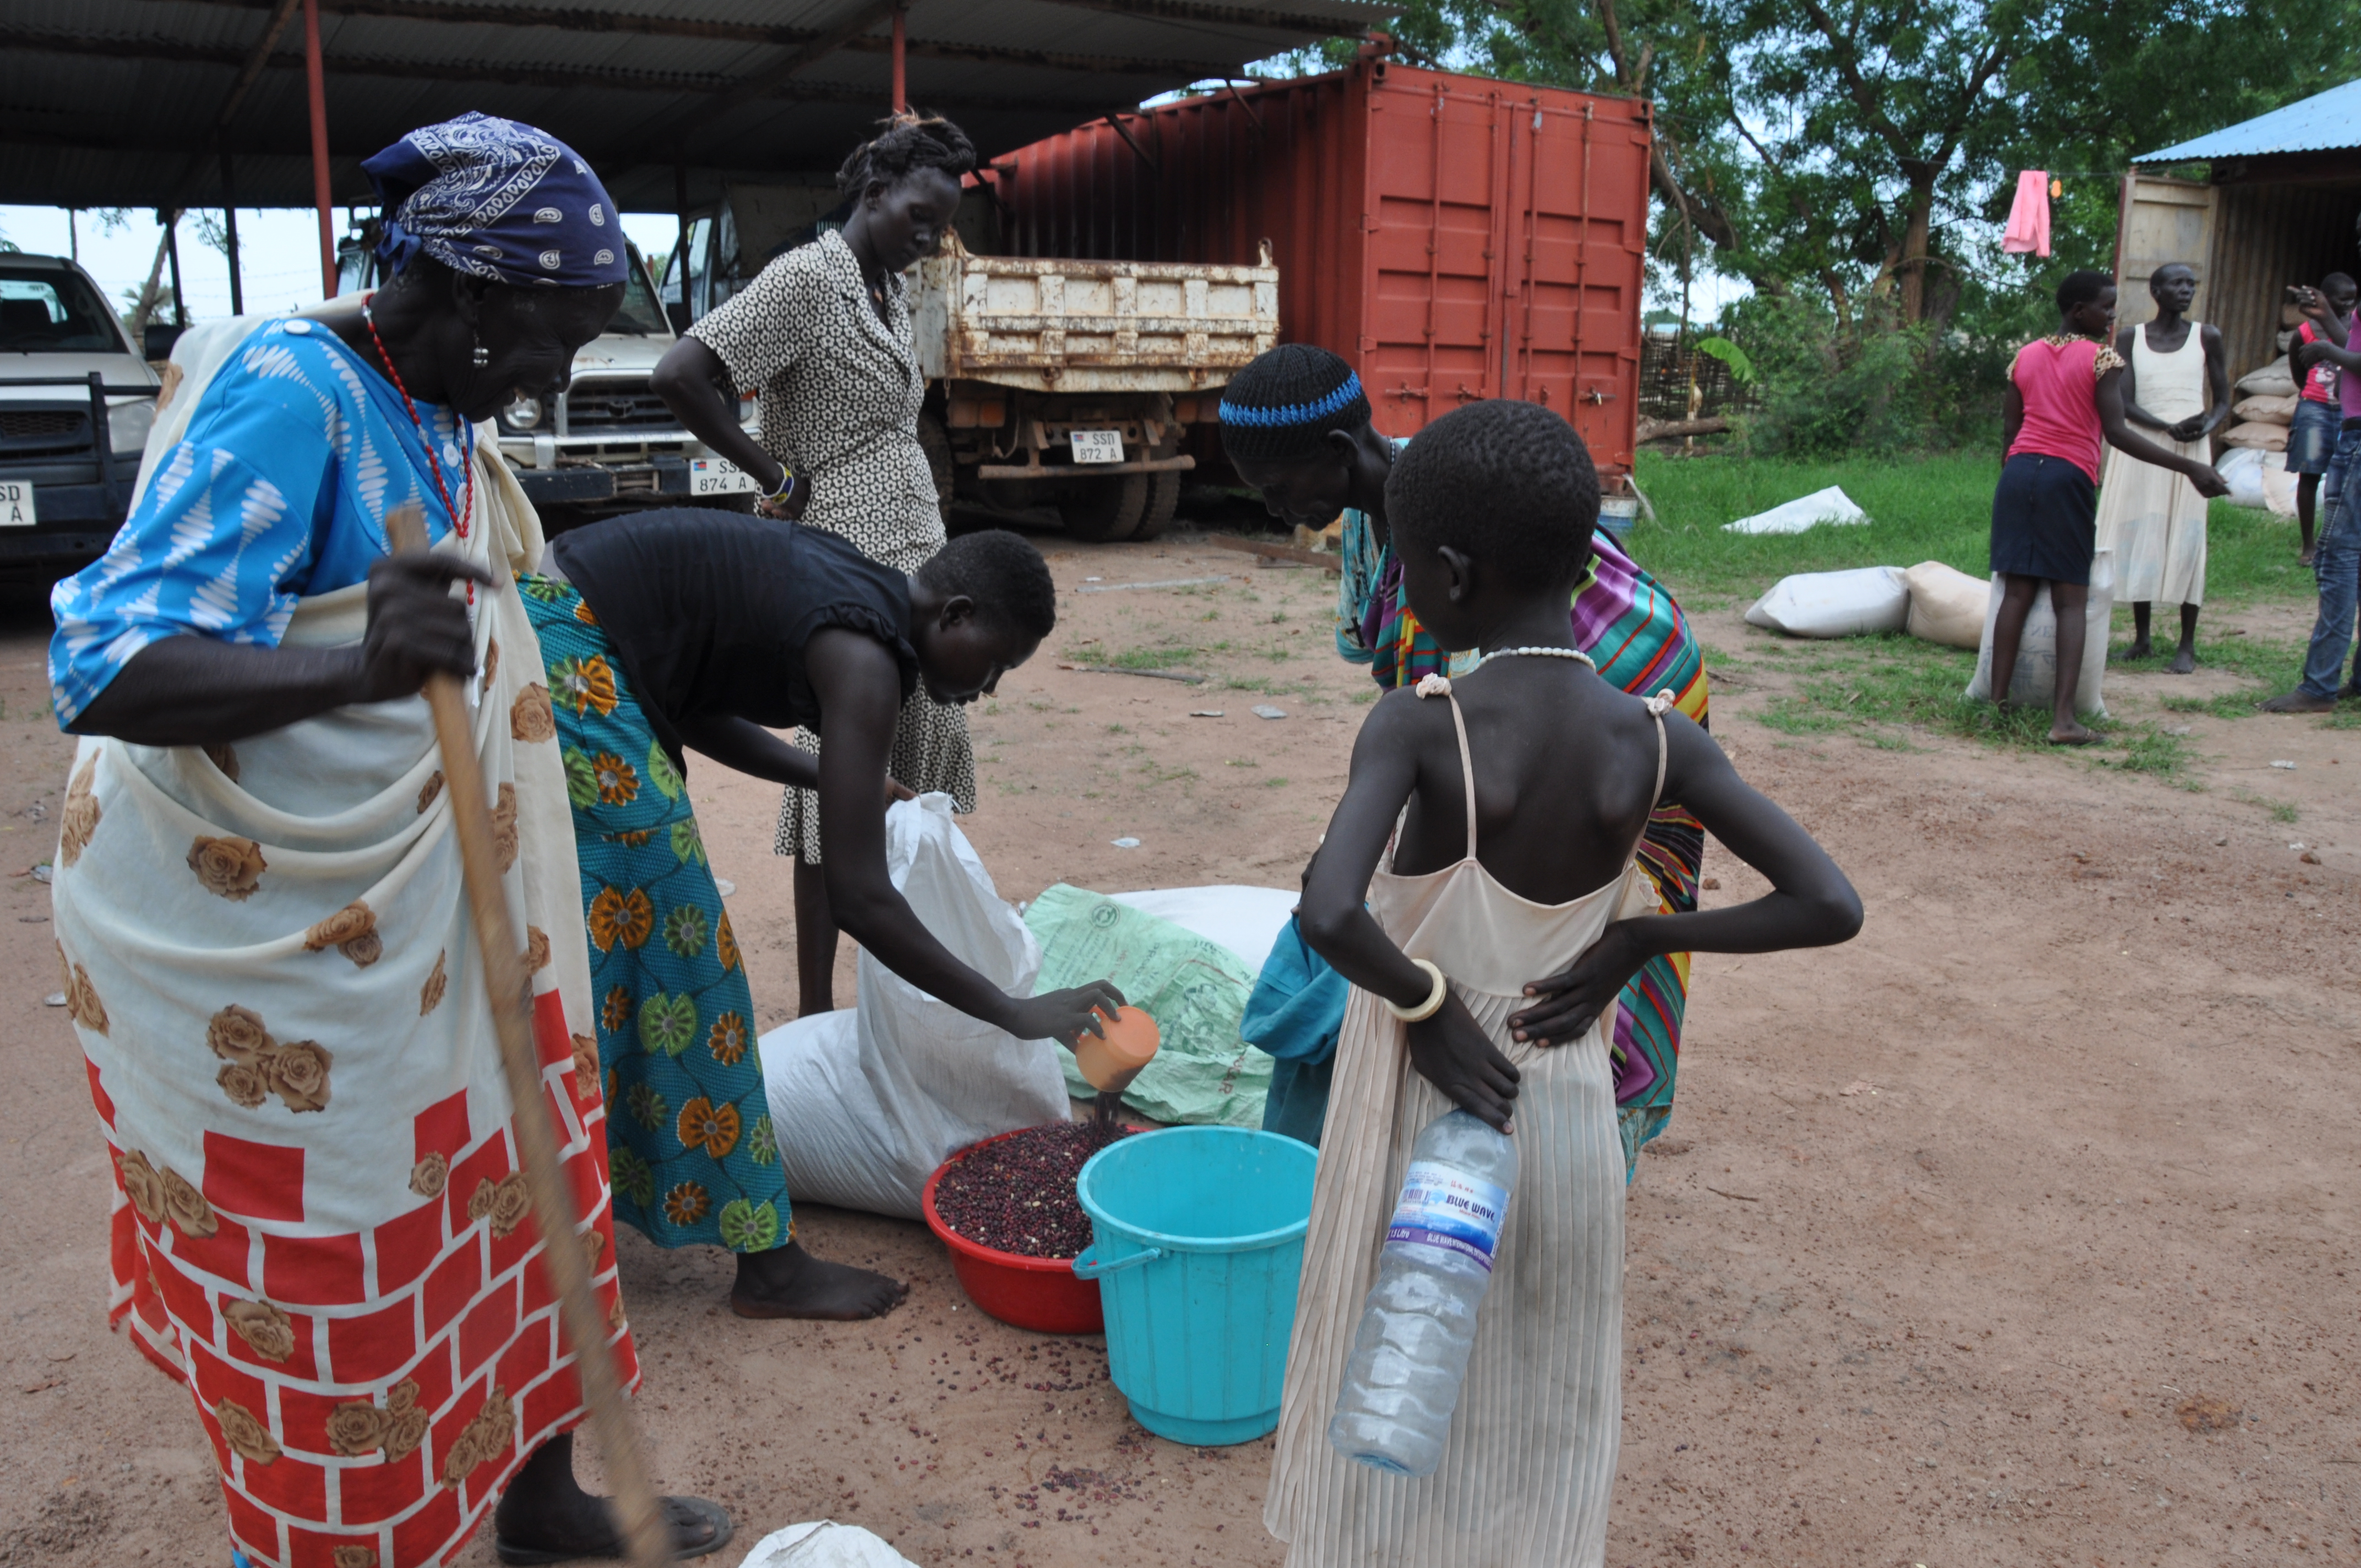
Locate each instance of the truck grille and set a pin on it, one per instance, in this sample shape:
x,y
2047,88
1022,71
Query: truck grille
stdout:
x,y
594,411
43,433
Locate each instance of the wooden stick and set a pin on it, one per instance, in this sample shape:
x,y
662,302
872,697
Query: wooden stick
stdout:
x,y
1274,552
506,979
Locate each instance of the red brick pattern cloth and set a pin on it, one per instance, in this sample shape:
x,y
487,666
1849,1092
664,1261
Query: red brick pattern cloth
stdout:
x,y
320,1228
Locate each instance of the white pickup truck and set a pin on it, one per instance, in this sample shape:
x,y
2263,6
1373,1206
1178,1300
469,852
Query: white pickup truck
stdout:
x,y
76,403
607,444
1055,382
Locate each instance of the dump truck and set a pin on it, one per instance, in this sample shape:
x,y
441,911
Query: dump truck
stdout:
x,y
1062,383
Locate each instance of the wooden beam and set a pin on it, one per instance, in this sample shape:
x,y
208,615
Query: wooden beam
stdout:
x,y
249,71
170,49
573,21
766,81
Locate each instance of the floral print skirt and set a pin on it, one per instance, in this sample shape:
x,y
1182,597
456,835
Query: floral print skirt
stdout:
x,y
688,1123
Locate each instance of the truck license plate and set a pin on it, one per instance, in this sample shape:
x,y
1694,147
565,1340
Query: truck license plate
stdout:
x,y
1097,446
16,503
719,477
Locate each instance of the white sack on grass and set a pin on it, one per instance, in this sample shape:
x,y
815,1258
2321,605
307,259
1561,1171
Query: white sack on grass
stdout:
x,y
2272,381
824,1543
1246,920
2259,480
2267,409
1832,505
1946,606
866,1101
2268,437
2034,681
2241,468
1835,604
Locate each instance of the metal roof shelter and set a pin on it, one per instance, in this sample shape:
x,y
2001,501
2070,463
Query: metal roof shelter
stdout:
x,y
2278,205
175,103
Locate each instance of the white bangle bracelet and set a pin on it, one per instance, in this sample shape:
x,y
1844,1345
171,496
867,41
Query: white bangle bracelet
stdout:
x,y
1428,1008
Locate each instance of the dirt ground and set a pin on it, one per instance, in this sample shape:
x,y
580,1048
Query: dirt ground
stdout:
x,y
2004,1235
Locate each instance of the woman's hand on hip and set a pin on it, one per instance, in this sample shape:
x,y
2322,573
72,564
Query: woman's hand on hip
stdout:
x,y
416,628
1452,1052
1570,1002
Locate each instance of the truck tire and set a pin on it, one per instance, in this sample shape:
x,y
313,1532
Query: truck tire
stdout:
x,y
1106,508
1163,500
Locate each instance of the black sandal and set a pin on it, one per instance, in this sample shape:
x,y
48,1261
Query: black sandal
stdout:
x,y
683,1510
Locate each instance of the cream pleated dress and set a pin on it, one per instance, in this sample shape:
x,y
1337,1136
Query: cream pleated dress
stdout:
x,y
2152,518
1530,1462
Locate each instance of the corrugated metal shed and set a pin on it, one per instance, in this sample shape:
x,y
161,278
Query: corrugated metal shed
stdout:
x,y
127,102
2325,122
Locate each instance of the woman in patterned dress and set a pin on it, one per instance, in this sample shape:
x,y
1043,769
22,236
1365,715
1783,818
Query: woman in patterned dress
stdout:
x,y
825,331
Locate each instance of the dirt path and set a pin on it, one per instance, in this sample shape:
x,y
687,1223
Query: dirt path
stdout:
x,y
2016,1232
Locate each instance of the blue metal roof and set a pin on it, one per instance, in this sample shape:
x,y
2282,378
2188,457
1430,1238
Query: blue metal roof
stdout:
x,y
2321,123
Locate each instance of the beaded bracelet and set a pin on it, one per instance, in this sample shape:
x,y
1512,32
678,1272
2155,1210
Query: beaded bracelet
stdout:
x,y
1428,1008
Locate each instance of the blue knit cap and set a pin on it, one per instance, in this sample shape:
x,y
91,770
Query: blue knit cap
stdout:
x,y
496,199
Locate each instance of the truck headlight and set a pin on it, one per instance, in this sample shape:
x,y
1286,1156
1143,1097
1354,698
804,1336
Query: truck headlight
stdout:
x,y
524,414
127,425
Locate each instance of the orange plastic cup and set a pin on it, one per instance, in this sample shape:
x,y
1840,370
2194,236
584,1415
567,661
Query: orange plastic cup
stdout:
x,y
1110,1061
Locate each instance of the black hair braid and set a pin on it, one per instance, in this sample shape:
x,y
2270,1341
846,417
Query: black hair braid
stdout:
x,y
904,143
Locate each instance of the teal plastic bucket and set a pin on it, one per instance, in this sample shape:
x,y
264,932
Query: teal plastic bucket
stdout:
x,y
1197,1239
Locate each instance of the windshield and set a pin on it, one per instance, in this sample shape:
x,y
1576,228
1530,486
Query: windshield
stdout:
x,y
640,315
44,310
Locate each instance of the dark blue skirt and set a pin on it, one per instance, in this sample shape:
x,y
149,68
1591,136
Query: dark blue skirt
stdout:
x,y
2044,519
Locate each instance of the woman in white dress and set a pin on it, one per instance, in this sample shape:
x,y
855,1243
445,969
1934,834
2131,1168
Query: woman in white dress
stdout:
x,y
2178,385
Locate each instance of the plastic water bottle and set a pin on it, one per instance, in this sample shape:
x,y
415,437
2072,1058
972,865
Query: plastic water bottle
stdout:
x,y
1410,1354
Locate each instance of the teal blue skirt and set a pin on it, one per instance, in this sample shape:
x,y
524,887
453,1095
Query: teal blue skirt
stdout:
x,y
689,1122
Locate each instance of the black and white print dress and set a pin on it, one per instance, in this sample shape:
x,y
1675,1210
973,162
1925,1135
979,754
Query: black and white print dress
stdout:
x,y
840,394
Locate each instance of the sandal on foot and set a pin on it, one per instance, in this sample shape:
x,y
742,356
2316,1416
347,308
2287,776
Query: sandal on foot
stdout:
x,y
680,1509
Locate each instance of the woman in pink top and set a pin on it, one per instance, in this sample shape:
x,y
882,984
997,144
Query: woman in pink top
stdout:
x,y
2065,397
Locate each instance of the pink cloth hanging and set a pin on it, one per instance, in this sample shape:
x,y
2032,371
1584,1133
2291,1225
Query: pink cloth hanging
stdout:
x,y
2029,215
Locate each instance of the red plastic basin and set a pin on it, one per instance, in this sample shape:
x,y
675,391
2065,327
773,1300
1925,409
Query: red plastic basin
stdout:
x,y
1037,1293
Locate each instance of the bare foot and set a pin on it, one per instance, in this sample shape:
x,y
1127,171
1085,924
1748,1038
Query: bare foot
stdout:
x,y
2298,702
2141,648
788,1282
2072,735
2184,660
546,1517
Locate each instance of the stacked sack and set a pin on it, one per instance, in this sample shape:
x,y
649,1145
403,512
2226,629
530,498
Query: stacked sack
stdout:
x,y
2265,409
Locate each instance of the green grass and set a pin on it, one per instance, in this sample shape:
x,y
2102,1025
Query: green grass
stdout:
x,y
1934,508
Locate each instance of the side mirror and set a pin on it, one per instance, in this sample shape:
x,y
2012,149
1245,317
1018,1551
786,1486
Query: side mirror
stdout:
x,y
161,337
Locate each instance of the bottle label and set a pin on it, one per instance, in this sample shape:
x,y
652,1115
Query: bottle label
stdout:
x,y
1445,1208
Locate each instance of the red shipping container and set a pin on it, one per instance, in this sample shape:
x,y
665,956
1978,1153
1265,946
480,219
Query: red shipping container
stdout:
x,y
1455,236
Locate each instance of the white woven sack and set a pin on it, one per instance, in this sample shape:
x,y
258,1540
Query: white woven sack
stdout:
x,y
2034,682
824,1543
866,1101
1858,603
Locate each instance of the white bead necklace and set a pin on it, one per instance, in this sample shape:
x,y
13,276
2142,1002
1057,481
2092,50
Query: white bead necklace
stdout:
x,y
1536,653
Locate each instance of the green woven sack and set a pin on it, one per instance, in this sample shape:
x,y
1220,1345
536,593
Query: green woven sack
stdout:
x,y
1195,990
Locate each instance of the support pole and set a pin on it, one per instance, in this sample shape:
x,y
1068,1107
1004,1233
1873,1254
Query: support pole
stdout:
x,y
172,251
680,242
314,78
229,229
901,47
74,237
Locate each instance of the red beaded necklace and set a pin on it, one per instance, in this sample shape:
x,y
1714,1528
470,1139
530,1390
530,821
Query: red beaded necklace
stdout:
x,y
459,517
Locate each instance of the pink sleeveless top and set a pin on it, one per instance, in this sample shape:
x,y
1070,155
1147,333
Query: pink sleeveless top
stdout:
x,y
2058,378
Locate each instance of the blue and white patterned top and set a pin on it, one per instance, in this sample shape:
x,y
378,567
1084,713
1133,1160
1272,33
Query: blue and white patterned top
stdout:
x,y
278,489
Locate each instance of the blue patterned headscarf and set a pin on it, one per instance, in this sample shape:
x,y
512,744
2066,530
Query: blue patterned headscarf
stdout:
x,y
498,200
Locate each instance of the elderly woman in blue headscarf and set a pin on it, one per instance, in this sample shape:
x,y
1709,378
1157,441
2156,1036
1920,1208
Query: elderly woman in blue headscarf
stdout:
x,y
319,1224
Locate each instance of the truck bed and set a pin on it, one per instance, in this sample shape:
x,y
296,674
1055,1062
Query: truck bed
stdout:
x,y
1054,326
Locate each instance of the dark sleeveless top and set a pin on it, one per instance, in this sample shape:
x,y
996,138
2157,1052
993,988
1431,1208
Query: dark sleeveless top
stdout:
x,y
709,611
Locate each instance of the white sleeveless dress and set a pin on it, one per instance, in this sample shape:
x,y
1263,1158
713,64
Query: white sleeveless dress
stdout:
x,y
1530,1462
2152,518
